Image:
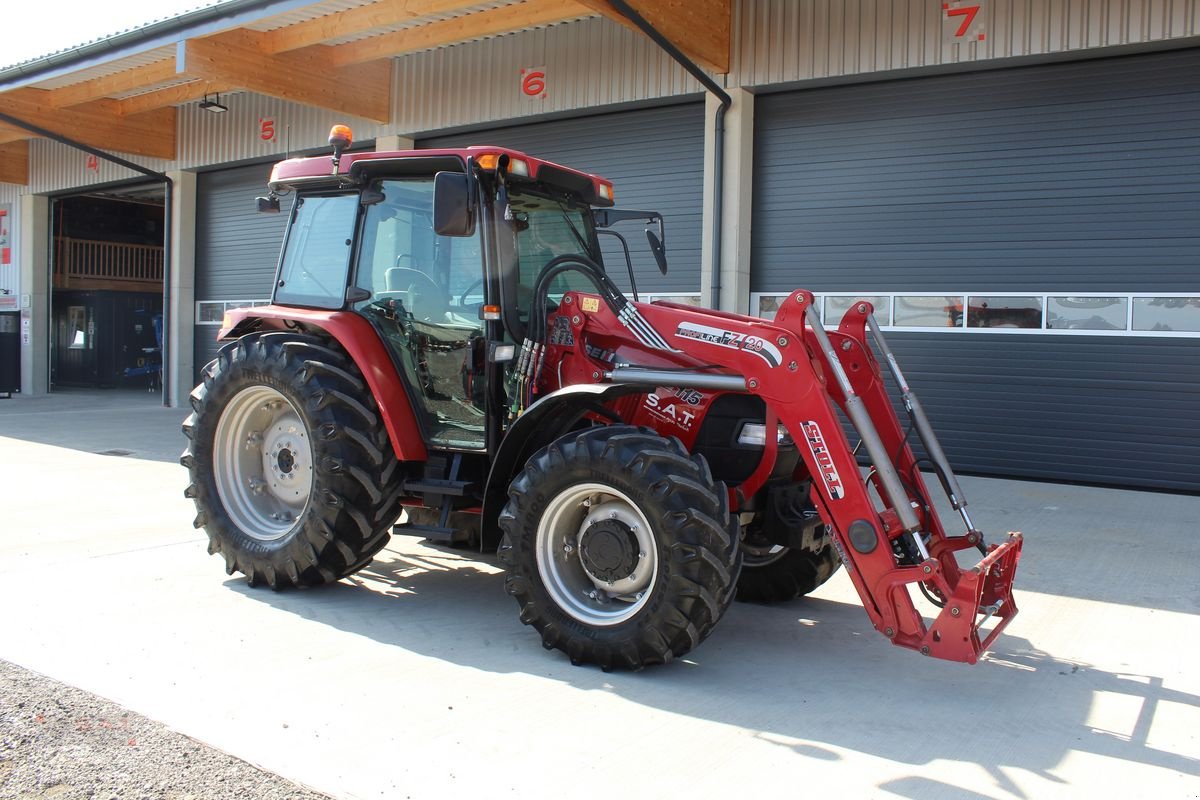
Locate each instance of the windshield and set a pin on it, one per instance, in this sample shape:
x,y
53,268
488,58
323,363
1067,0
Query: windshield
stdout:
x,y
545,229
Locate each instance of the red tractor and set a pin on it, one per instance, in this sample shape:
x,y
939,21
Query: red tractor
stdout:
x,y
444,341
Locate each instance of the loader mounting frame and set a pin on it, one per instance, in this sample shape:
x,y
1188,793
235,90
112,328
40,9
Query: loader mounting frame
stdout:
x,y
805,374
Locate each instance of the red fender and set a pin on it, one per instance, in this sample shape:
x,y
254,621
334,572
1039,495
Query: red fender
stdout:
x,y
361,342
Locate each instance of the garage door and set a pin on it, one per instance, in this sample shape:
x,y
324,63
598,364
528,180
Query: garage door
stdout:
x,y
655,159
237,249
1032,233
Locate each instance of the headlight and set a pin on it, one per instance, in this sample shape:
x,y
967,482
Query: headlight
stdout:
x,y
754,434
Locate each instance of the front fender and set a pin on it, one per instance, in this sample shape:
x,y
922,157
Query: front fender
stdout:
x,y
546,420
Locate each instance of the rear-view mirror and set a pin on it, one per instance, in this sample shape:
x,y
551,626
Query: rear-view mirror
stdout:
x,y
453,214
268,204
660,252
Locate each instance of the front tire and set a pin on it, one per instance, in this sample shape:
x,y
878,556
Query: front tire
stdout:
x,y
623,550
289,461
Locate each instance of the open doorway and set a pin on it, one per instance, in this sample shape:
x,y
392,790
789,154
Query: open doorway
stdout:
x,y
107,290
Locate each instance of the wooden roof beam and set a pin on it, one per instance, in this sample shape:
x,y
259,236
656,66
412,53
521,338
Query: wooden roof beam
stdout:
x,y
493,22
108,85
98,123
14,162
310,76
380,14
172,96
699,28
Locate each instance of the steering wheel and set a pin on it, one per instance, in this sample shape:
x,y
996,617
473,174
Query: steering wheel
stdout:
x,y
425,305
462,298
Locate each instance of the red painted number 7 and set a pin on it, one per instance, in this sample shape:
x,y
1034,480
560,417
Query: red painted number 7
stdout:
x,y
966,11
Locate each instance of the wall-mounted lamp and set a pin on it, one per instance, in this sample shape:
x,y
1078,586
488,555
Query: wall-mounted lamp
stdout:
x,y
214,106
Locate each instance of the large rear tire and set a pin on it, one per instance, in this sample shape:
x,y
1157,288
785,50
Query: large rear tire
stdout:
x,y
290,464
623,551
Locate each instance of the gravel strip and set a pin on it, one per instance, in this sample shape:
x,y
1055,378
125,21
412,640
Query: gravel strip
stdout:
x,y
60,742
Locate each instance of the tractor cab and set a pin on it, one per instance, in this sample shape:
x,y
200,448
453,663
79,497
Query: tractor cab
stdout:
x,y
440,251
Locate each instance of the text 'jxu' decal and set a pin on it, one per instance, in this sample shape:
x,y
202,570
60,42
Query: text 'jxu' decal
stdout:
x,y
731,339
829,473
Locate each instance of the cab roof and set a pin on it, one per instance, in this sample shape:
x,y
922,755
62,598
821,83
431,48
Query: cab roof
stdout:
x,y
354,168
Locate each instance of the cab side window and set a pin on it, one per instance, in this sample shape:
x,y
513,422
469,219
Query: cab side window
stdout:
x,y
317,256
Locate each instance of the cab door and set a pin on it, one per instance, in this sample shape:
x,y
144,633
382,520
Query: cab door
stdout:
x,y
425,294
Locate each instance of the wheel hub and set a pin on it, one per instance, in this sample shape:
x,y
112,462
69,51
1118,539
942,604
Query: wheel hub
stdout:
x,y
597,554
286,459
609,549
263,462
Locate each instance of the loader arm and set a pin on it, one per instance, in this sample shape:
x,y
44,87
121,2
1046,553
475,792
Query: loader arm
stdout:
x,y
885,527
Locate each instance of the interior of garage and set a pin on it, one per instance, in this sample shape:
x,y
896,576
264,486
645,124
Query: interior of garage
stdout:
x,y
107,290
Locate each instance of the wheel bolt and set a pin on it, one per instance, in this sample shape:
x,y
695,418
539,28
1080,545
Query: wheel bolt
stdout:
x,y
568,548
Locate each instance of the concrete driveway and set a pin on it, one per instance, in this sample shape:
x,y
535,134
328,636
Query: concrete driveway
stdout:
x,y
415,678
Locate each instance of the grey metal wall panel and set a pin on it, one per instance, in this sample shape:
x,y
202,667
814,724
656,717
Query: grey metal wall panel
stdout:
x,y
1078,176
54,166
1073,177
1100,410
654,158
589,63
237,249
206,138
777,41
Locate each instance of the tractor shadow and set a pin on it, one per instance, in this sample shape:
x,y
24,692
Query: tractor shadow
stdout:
x,y
812,675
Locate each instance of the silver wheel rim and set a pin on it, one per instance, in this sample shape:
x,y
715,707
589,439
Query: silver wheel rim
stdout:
x,y
262,456
573,588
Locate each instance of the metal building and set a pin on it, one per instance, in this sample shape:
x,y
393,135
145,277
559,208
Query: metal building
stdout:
x,y
1015,185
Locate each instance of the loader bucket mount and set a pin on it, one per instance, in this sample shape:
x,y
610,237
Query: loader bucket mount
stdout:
x,y
970,598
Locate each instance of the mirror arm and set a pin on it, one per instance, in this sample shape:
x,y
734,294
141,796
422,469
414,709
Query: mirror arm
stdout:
x,y
628,262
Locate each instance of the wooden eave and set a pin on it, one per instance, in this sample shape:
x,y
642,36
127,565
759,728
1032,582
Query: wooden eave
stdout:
x,y
340,61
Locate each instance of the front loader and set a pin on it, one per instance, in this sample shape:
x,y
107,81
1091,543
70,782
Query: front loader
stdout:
x,y
445,355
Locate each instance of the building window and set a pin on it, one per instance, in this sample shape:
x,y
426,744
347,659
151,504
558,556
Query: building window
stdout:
x,y
1003,311
682,298
1167,314
929,311
212,312
836,306
1087,313
1099,314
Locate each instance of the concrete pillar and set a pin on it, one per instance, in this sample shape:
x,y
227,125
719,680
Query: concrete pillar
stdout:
x,y
35,294
180,336
736,214
394,143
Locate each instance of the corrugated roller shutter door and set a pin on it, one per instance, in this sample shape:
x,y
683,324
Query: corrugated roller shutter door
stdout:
x,y
655,159
1075,177
237,249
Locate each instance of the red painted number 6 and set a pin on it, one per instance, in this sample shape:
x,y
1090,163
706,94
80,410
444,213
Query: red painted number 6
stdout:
x,y
533,84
